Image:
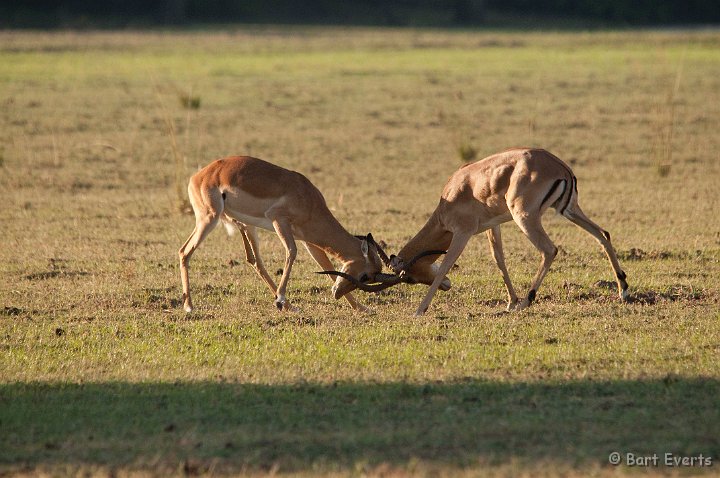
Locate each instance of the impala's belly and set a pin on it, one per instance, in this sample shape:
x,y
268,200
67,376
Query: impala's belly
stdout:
x,y
249,209
261,222
492,222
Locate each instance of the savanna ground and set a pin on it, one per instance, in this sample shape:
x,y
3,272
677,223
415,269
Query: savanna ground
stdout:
x,y
102,373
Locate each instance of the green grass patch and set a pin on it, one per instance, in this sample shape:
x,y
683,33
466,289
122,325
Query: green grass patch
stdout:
x,y
229,427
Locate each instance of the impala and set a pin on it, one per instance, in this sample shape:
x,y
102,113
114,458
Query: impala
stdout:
x,y
519,185
248,193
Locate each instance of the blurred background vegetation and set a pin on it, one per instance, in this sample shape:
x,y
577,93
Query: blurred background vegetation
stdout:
x,y
442,13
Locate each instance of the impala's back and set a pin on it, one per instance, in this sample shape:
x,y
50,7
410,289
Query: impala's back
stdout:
x,y
250,187
483,193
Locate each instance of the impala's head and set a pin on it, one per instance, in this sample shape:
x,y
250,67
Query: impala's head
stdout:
x,y
421,269
363,268
370,278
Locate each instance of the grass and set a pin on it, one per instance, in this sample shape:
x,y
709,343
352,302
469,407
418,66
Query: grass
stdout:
x,y
350,427
102,373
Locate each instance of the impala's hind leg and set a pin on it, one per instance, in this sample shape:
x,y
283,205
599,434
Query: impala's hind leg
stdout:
x,y
531,225
252,256
206,218
575,214
495,240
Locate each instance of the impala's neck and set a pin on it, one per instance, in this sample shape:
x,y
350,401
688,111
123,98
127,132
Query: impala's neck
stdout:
x,y
328,234
432,236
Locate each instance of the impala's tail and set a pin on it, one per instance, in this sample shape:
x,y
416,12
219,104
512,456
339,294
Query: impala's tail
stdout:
x,y
231,226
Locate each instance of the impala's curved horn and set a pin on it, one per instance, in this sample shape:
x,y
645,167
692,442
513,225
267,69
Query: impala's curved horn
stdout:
x,y
406,267
382,277
386,280
383,257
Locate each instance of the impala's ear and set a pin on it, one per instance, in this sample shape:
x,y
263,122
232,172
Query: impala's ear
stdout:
x,y
396,263
364,248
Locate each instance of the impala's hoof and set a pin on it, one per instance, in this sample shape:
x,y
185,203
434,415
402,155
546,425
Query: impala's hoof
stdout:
x,y
357,307
283,304
280,301
188,308
420,312
625,295
522,305
512,305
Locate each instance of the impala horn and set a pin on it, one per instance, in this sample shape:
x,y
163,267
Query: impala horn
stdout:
x,y
406,267
385,280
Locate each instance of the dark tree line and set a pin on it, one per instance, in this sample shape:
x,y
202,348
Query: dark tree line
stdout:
x,y
637,12
69,13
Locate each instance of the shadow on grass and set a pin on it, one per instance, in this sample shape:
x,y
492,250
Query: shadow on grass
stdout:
x,y
310,426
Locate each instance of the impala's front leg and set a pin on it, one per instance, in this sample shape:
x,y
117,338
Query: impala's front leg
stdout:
x,y
495,240
252,254
322,260
284,232
457,245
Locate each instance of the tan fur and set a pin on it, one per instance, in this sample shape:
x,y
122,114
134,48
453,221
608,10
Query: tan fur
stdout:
x,y
260,194
517,185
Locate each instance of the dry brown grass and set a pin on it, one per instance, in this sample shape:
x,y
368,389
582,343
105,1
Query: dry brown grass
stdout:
x,y
90,169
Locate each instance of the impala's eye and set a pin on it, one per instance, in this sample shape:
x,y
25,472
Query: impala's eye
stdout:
x,y
364,278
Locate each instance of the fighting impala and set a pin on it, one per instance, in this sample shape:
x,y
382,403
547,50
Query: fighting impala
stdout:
x,y
248,193
519,185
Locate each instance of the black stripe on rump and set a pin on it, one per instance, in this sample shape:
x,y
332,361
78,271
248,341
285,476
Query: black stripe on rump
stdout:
x,y
570,190
554,187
